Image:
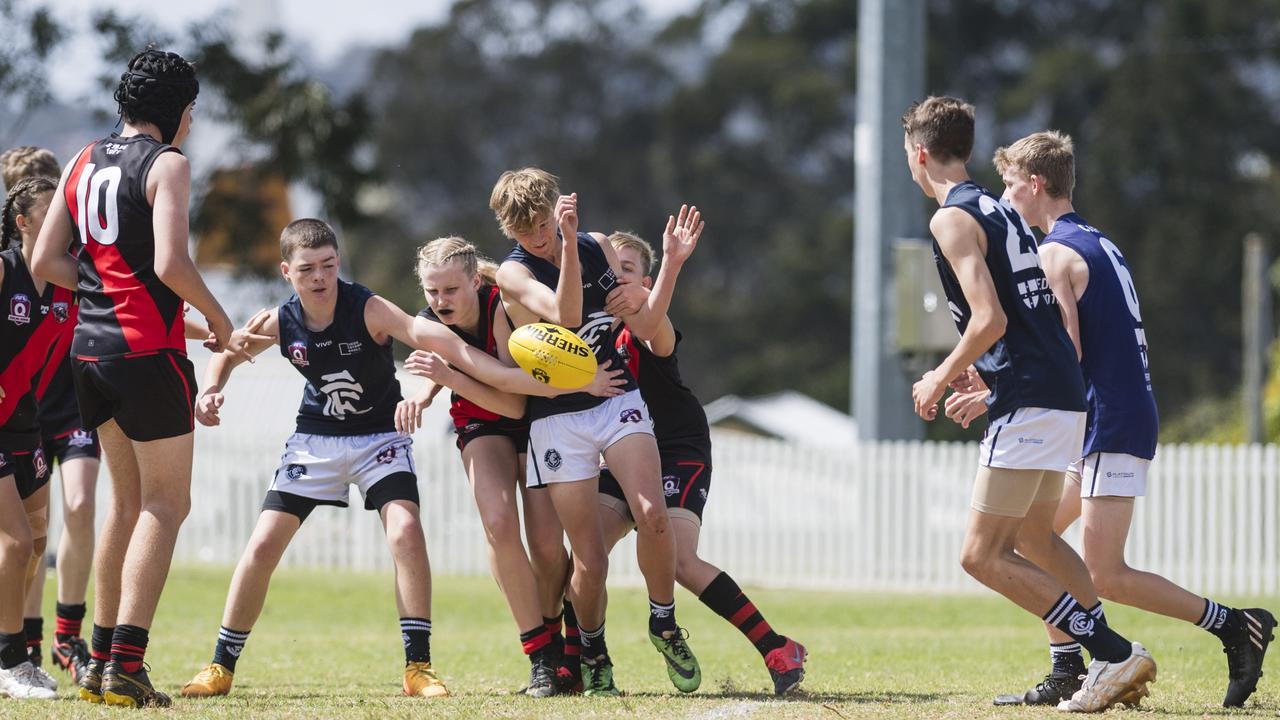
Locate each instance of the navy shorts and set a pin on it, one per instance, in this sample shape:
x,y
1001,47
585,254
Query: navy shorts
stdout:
x,y
29,469
686,481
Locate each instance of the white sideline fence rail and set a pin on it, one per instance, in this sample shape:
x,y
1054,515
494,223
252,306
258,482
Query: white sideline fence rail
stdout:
x,y
884,516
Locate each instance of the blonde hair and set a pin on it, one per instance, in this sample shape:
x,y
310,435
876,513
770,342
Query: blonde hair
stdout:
x,y
621,239
1048,154
444,250
522,197
943,125
27,161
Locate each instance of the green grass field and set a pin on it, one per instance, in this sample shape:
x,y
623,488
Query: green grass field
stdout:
x,y
328,646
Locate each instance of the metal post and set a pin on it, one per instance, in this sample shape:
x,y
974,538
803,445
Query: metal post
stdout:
x,y
891,44
1256,305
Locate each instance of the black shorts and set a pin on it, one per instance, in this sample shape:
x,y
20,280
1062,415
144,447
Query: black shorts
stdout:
x,y
29,469
151,397
79,443
686,481
397,486
517,430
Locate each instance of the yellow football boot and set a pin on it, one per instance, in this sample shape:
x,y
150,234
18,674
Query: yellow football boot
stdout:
x,y
213,680
421,681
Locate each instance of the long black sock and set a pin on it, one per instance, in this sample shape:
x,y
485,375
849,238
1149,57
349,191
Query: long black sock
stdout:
x,y
416,633
572,641
129,647
1222,621
69,615
1068,659
230,645
33,628
100,643
13,649
1101,641
727,600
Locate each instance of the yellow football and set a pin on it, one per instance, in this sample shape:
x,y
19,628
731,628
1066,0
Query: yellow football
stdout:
x,y
553,355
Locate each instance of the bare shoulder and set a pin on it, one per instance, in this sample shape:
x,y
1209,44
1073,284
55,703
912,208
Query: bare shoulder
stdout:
x,y
955,230
171,166
512,271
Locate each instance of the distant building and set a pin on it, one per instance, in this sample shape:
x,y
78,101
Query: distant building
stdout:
x,y
787,415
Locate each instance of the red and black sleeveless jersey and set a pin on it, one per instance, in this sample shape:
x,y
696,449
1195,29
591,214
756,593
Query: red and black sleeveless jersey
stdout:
x,y
678,419
55,392
463,411
33,324
125,309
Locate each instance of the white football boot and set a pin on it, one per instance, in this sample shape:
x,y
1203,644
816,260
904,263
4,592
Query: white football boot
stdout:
x,y
23,682
1109,683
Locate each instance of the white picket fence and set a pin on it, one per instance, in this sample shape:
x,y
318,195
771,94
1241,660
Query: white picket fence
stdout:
x,y
872,516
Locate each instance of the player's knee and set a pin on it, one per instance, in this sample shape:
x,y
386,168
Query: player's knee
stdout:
x,y
976,562
1107,582
653,520
405,536
547,557
16,548
591,568
78,512
501,527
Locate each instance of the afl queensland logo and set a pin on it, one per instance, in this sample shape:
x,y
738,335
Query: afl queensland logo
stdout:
x,y
19,309
552,459
61,311
670,485
37,459
298,354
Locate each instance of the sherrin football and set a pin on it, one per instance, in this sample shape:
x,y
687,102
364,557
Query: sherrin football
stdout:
x,y
553,355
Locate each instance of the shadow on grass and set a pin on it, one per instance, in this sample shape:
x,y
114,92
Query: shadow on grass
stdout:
x,y
801,696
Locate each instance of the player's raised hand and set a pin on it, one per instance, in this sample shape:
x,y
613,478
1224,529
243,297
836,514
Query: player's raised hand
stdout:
x,y
207,409
567,218
242,338
607,382
681,236
626,299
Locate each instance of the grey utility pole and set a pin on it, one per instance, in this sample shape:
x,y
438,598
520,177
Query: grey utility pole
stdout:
x,y
891,49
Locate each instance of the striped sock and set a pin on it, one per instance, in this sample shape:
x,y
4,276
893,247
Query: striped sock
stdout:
x,y
593,645
230,645
416,633
534,642
1217,619
1096,636
572,641
70,617
1067,657
554,625
33,628
1098,612
128,647
727,600
100,642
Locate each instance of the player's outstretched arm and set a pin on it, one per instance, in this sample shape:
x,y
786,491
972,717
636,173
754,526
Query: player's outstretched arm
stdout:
x,y
261,332
409,411
957,234
434,367
50,259
1068,275
645,312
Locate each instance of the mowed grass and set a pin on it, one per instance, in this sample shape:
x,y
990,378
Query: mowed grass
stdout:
x,y
328,646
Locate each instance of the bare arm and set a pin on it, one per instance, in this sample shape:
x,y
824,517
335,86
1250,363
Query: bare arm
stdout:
x,y
957,235
678,242
50,259
261,332
1068,274
434,367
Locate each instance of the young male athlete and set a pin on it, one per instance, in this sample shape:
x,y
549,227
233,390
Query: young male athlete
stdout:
x,y
124,200
462,294
33,317
684,442
338,336
565,279
1012,333
1094,287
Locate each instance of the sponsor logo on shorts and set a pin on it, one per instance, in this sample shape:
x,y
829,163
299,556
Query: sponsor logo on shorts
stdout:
x,y
630,415
19,309
349,348
61,311
294,471
670,485
1030,441
471,427
703,493
1121,475
541,376
387,454
298,354
80,438
37,461
552,459
1081,624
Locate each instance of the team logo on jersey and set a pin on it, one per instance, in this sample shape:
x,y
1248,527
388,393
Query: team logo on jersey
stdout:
x,y
386,455
341,392
630,415
80,438
19,309
61,311
295,471
1081,624
37,461
670,485
552,459
597,326
298,354
1036,291
349,348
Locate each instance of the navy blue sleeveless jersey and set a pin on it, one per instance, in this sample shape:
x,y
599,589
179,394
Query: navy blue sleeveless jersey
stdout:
x,y
351,380
1034,364
1122,407
599,329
